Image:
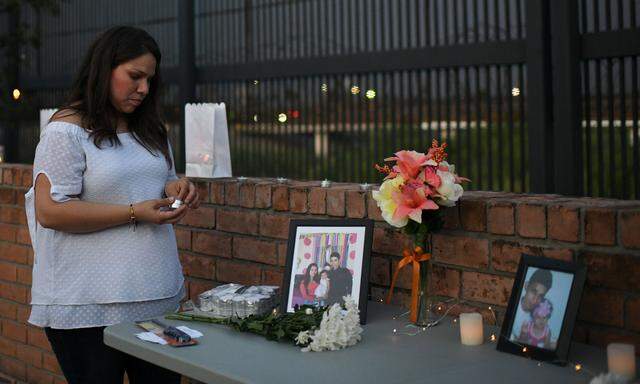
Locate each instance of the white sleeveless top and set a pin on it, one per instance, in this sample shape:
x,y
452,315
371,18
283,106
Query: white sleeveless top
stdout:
x,y
108,270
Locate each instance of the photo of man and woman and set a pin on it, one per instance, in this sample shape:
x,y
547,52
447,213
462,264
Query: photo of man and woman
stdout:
x,y
326,266
541,308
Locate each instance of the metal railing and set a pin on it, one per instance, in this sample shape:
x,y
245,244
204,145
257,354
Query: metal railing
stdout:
x,y
324,88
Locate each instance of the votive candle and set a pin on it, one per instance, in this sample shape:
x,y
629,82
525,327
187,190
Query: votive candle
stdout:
x,y
621,359
471,328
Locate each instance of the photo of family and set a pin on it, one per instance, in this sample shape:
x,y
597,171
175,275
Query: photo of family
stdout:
x,y
326,265
541,308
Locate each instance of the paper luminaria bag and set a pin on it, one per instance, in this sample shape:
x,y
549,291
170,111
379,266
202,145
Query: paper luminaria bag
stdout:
x,y
207,141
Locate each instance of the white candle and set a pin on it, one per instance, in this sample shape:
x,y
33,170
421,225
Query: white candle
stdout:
x,y
622,359
471,328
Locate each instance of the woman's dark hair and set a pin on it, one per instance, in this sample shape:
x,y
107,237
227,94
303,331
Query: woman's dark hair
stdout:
x,y
307,274
90,93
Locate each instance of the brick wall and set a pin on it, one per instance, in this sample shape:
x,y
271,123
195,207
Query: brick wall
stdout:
x,y
240,232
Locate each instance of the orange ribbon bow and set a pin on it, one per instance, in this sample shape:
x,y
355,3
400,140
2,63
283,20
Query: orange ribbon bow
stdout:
x,y
414,257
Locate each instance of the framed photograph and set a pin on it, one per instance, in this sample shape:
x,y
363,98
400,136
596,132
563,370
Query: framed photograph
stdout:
x,y
542,309
326,260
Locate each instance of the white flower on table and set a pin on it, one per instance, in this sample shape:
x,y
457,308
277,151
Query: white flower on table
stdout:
x,y
338,329
609,378
303,338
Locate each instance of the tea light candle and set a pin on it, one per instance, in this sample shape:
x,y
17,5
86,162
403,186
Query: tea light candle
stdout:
x,y
621,359
471,328
325,183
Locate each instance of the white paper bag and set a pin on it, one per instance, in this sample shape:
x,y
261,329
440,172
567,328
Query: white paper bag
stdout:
x,y
207,141
45,115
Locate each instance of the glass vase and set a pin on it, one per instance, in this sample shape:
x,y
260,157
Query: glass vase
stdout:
x,y
425,300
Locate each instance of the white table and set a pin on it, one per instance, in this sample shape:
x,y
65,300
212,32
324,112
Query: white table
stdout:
x,y
225,355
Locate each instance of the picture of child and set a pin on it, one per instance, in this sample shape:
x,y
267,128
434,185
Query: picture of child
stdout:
x,y
323,288
326,265
536,331
540,312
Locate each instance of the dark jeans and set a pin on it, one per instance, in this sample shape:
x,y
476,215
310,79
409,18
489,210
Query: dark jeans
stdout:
x,y
85,359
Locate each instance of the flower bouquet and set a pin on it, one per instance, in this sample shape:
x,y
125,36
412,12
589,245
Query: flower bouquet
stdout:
x,y
313,328
410,197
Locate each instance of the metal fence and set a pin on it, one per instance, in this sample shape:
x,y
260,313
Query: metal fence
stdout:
x,y
610,98
530,95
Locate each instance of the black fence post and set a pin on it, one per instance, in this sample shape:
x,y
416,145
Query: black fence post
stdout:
x,y
187,69
539,101
565,53
9,128
248,30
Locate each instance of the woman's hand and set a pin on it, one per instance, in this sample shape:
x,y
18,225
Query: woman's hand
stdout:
x,y
149,211
183,190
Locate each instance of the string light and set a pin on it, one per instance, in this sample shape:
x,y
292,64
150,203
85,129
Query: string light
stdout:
x,y
255,118
282,117
515,91
256,82
16,94
324,88
370,94
420,329
576,366
355,90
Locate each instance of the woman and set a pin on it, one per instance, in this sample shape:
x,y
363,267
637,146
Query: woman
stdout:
x,y
309,283
105,249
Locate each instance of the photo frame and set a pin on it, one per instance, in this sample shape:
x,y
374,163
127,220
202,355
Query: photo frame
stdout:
x,y
327,259
542,309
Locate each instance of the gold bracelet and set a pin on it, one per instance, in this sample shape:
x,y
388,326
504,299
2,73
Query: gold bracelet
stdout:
x,y
132,217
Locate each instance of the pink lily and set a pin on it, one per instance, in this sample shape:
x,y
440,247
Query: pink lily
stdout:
x,y
411,201
431,177
408,163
